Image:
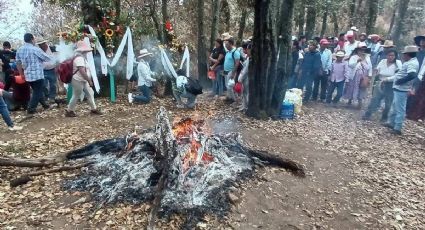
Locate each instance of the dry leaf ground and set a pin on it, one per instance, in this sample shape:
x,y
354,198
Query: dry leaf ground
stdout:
x,y
359,176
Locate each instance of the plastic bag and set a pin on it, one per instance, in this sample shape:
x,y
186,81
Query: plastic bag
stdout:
x,y
230,83
294,96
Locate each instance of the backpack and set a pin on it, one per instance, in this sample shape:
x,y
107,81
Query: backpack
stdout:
x,y
241,60
65,70
193,86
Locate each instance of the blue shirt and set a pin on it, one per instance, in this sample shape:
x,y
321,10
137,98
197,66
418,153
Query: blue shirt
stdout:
x,y
32,57
312,63
326,57
230,59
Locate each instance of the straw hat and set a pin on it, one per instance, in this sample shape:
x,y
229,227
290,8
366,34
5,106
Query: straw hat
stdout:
x,y
388,44
144,53
418,39
40,41
410,49
226,36
83,47
354,28
374,37
362,46
340,53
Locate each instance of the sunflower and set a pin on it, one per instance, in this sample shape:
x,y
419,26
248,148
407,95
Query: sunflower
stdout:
x,y
109,32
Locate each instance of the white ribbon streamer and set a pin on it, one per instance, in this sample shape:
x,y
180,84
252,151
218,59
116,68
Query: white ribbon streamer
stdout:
x,y
186,57
167,64
92,67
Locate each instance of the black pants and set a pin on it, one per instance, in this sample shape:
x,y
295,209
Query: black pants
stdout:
x,y
322,82
37,95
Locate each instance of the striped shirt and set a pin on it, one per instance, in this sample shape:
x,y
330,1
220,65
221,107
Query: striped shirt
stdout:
x,y
31,58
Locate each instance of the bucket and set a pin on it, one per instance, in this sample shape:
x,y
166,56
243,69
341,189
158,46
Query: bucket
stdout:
x,y
287,111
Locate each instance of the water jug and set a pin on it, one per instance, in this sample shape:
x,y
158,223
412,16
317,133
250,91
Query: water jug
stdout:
x,y
287,111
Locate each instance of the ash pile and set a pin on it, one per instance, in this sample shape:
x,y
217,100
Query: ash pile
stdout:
x,y
180,168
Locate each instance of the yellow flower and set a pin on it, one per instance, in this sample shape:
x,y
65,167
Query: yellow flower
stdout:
x,y
109,33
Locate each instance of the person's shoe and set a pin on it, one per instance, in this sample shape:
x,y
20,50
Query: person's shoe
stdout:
x,y
130,98
388,125
15,128
395,132
70,113
95,112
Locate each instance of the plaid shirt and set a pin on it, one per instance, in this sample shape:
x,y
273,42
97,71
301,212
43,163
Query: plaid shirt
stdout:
x,y
31,57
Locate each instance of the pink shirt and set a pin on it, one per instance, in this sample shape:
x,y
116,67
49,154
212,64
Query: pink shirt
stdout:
x,y
340,71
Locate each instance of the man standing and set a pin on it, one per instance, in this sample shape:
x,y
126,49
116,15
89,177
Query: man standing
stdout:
x,y
30,60
7,56
310,68
231,65
350,45
322,79
403,80
49,68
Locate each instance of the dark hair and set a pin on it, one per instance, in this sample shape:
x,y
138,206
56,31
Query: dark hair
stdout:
x,y
181,72
342,34
231,41
412,55
7,44
219,41
296,44
395,54
28,37
245,45
302,37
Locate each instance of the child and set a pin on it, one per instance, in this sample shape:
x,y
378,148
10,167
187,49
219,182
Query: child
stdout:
x,y
339,73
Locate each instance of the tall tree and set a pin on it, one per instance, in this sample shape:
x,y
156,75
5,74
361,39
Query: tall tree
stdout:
x,y
242,23
372,15
153,13
214,23
225,13
335,22
202,54
325,18
393,16
352,12
399,20
267,80
301,17
165,18
311,19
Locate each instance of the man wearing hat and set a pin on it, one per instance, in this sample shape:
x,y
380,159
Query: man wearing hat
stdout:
x,y
144,82
49,67
322,79
403,80
310,69
29,59
351,44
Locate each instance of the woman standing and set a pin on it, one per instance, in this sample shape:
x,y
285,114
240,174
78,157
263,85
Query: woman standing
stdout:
x,y
216,64
383,89
81,80
361,73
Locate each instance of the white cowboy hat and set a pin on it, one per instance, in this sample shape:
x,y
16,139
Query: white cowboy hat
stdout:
x,y
388,44
410,49
83,47
340,54
143,53
40,41
354,28
226,36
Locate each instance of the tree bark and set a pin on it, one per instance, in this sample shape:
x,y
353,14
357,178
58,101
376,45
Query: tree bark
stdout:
x,y
155,19
399,21
392,19
372,15
242,24
262,68
226,14
325,20
335,22
214,23
165,18
90,13
202,54
301,18
352,13
311,19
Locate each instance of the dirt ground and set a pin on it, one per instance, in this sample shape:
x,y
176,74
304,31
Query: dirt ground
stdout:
x,y
358,175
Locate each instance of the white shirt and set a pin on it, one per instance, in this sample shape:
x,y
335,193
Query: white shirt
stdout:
x,y
144,74
80,61
53,60
349,48
387,71
354,65
181,81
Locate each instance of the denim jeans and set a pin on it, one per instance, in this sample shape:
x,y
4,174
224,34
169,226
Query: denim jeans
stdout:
x,y
218,83
339,86
307,82
37,95
146,95
398,110
50,81
322,81
379,94
5,113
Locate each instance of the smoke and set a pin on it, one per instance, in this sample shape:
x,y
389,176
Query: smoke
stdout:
x,y
65,51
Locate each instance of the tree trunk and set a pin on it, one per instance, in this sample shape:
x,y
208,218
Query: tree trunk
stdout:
x,y
91,14
325,19
214,23
335,22
352,13
372,15
399,21
165,18
392,19
311,19
226,14
262,68
285,58
301,18
242,24
155,19
202,54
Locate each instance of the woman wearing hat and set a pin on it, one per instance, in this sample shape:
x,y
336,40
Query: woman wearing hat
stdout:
x,y
144,81
361,73
81,80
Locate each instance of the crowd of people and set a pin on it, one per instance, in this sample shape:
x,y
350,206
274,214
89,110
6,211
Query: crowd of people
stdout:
x,y
329,69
